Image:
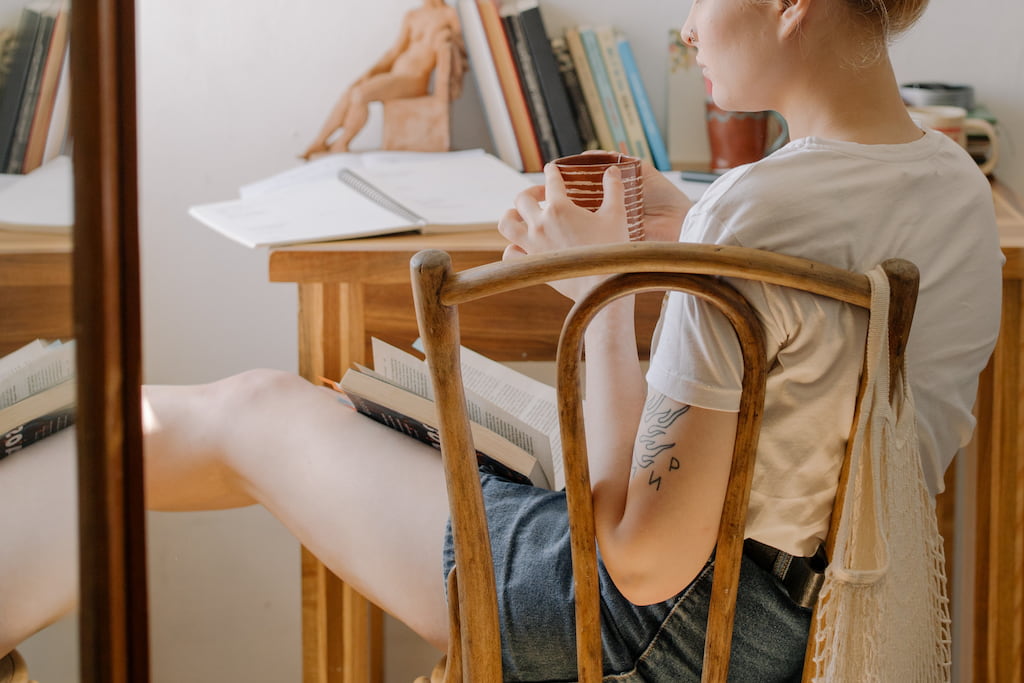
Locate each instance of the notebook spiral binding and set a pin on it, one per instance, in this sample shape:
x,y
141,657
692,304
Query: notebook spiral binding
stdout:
x,y
375,195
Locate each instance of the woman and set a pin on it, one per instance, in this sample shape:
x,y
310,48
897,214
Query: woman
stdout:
x,y
858,184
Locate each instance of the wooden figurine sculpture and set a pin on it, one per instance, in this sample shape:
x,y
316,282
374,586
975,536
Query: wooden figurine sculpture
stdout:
x,y
415,117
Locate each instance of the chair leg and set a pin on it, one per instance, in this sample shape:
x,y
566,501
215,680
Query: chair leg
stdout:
x,y
449,668
13,669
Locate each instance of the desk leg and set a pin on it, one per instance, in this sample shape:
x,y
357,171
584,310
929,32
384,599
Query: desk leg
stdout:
x,y
999,578
341,631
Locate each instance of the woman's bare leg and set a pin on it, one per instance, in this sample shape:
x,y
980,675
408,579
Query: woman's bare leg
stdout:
x,y
366,500
38,537
369,502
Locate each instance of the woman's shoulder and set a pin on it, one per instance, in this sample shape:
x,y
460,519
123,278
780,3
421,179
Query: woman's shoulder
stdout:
x,y
817,197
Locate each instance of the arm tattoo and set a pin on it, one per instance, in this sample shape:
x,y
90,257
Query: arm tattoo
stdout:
x,y
657,418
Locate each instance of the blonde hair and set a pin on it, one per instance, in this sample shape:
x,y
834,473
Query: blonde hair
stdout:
x,y
890,18
882,21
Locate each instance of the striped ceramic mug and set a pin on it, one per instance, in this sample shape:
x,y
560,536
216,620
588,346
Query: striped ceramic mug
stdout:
x,y
583,175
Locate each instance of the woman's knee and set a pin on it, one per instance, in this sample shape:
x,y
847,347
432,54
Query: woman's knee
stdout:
x,y
202,440
257,390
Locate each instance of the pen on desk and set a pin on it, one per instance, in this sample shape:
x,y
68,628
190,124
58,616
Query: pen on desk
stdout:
x,y
700,176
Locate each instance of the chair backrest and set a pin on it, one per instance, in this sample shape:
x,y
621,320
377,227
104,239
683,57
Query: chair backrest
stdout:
x,y
638,267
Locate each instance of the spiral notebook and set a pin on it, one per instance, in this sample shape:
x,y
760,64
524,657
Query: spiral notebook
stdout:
x,y
445,193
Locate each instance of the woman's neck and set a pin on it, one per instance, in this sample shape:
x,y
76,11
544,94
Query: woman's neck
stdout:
x,y
852,103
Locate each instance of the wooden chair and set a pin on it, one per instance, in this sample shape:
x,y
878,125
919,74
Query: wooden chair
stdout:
x,y
474,653
13,669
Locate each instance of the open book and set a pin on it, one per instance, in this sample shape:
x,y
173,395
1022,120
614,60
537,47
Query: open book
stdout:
x,y
37,393
514,417
346,196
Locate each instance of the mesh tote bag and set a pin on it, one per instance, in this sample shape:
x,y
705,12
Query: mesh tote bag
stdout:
x,y
883,613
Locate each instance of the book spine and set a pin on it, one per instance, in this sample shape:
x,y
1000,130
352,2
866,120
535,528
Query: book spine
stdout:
x,y
30,96
14,84
549,75
623,96
589,89
36,429
604,89
422,432
508,75
531,86
481,63
48,82
584,122
643,106
57,130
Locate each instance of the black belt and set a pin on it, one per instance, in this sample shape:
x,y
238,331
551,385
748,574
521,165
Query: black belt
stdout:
x,y
801,576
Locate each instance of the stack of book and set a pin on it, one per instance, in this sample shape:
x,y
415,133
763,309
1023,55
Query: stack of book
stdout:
x,y
34,86
514,418
37,394
546,97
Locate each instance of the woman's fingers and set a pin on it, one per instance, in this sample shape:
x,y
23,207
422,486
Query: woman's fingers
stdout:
x,y
512,251
614,191
554,183
512,227
528,203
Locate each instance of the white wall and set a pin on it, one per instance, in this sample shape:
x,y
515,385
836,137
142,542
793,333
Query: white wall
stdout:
x,y
231,92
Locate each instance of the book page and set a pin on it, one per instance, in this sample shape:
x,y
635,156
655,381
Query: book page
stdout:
x,y
310,172
527,399
493,409
323,209
401,368
38,374
456,189
329,165
15,359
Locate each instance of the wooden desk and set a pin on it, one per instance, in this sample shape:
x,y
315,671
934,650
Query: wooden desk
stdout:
x,y
35,288
351,290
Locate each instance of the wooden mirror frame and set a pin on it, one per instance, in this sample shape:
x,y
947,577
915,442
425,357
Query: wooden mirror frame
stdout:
x,y
113,611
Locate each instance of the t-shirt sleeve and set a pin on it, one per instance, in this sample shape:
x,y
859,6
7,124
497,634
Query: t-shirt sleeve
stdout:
x,y
697,358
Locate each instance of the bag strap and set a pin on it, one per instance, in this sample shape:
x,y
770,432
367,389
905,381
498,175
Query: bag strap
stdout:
x,y
860,554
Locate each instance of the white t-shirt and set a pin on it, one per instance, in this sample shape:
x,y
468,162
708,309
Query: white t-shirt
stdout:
x,y
851,206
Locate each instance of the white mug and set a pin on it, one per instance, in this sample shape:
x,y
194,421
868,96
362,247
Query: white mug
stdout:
x,y
954,122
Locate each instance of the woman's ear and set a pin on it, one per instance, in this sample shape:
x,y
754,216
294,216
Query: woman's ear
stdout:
x,y
791,16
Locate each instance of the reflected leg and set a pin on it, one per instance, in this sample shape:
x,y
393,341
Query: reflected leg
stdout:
x,y
38,537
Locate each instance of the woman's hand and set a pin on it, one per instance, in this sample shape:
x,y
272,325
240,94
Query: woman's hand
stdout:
x,y
665,206
532,228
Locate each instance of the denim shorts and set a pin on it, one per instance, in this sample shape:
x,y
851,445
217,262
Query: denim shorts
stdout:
x,y
652,643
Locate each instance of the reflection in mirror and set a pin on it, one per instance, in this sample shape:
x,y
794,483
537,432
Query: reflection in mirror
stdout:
x,y
37,482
